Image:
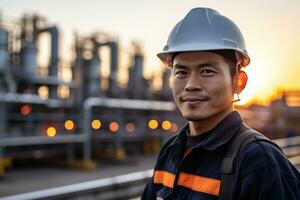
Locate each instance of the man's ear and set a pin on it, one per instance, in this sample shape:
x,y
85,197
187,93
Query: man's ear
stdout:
x,y
241,82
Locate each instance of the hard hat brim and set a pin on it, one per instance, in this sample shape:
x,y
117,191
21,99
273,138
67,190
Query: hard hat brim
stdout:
x,y
167,57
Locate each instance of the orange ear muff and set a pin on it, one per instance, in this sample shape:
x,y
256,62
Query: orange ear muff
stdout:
x,y
242,79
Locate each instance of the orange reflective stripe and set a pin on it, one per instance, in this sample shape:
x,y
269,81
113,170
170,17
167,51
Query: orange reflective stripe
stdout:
x,y
165,178
199,183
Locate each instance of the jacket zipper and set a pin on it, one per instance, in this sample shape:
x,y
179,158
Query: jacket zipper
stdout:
x,y
186,154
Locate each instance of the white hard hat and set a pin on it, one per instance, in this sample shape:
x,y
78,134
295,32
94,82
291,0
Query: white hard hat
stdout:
x,y
204,29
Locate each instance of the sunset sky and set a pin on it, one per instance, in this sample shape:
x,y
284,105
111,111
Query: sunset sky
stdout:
x,y
271,29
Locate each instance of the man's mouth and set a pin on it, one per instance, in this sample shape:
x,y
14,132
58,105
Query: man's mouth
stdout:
x,y
193,100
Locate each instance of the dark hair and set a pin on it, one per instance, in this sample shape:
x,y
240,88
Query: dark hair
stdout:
x,y
229,57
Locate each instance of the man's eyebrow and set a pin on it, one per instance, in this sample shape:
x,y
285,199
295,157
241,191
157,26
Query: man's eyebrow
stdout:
x,y
206,64
179,66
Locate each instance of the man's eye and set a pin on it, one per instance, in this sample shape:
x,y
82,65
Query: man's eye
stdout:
x,y
180,73
207,72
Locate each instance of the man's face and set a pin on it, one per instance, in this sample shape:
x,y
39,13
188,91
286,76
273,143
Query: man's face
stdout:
x,y
201,84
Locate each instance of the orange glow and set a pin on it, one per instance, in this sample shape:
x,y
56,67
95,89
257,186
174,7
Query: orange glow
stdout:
x,y
153,124
166,125
26,109
174,128
113,126
262,80
96,124
69,125
130,127
51,131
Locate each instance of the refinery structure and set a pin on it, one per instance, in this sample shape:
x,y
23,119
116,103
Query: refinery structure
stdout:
x,y
87,116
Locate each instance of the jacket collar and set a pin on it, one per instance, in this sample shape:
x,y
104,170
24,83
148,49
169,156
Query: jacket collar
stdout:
x,y
218,136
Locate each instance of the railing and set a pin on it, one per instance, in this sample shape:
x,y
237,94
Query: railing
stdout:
x,y
128,186
291,148
119,187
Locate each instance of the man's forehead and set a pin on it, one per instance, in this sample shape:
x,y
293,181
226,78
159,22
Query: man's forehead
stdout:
x,y
197,59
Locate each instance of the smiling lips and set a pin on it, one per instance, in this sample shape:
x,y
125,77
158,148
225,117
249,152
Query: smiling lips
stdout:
x,y
193,100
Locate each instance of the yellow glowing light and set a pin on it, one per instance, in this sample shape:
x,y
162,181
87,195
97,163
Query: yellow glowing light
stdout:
x,y
166,125
69,125
130,127
113,126
153,124
63,91
26,109
96,124
43,92
51,131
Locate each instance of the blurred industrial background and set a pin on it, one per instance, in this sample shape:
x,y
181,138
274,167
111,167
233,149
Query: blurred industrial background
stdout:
x,y
72,115
80,116
44,108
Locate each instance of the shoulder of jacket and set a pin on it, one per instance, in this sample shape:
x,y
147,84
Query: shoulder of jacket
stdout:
x,y
263,148
261,154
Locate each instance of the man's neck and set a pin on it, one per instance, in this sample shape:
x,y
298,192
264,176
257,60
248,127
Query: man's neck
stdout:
x,y
202,126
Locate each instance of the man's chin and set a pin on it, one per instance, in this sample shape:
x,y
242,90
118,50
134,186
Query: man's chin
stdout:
x,y
195,118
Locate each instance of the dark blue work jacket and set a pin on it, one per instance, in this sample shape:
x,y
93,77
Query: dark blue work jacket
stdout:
x,y
262,172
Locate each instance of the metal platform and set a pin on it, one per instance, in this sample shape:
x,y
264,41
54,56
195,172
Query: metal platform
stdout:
x,y
116,181
24,180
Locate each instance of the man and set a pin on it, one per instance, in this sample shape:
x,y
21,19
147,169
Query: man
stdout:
x,y
206,52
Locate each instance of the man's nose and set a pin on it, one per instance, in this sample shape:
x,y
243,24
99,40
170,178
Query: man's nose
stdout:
x,y
193,83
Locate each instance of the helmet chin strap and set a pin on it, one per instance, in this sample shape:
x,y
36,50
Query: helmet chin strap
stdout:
x,y
236,100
